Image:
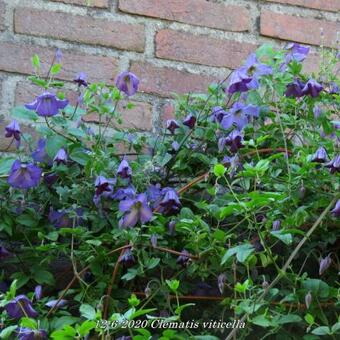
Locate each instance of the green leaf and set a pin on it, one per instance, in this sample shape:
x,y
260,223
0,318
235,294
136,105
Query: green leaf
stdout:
x,y
179,309
36,61
78,155
28,323
21,113
55,69
86,327
54,144
5,165
67,333
285,238
242,252
289,318
323,330
141,312
173,284
152,263
309,319
7,332
219,170
317,287
43,276
87,311
262,321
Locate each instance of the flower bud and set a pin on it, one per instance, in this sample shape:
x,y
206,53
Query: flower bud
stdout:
x,y
308,299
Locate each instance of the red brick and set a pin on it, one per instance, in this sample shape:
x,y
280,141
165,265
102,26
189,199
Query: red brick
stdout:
x,y
168,111
2,15
324,5
17,59
139,117
83,29
299,29
90,3
164,81
196,12
201,49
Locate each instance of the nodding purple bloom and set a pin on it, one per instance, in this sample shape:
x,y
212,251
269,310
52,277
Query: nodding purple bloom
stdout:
x,y
221,144
336,210
189,121
62,219
184,258
38,292
56,304
50,179
294,89
24,176
221,281
238,115
124,170
102,185
136,209
170,203
308,299
234,140
153,240
47,105
312,88
154,192
61,157
40,155
13,131
276,225
324,264
58,56
217,114
239,81
317,111
124,193
127,82
334,88
334,164
172,125
19,307
297,52
175,146
4,253
30,334
127,259
81,79
320,155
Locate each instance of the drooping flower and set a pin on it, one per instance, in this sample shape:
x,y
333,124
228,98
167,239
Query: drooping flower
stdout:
x,y
297,52
136,209
31,334
50,179
320,155
40,155
124,169
4,253
239,80
154,193
103,184
24,176
238,115
127,82
38,292
189,121
47,105
334,164
221,281
334,88
13,131
294,89
184,258
62,218
312,88
61,157
336,210
317,111
324,264
19,307
124,193
56,303
81,79
127,258
276,225
234,140
217,114
170,202
172,125
308,299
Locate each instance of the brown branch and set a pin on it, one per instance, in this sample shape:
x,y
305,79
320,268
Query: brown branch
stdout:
x,y
167,250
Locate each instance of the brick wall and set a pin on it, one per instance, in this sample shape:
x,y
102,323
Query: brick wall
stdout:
x,y
172,45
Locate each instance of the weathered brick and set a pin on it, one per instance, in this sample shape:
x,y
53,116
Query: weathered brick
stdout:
x,y
201,49
17,58
165,81
300,29
324,5
77,28
195,12
90,3
139,117
2,15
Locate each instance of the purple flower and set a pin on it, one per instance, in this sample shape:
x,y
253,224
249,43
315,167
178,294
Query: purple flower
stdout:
x,y
334,164
81,79
170,202
136,209
320,155
239,81
153,240
154,192
38,292
50,179
30,334
294,89
103,185
24,176
40,155
175,145
56,304
312,88
184,258
334,88
58,56
4,253
60,157
172,125
238,115
221,281
317,111
124,193
276,225
127,82
296,52
217,114
62,218
127,259
124,169
234,140
308,299
47,105
324,264
13,131
336,210
189,121
19,307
